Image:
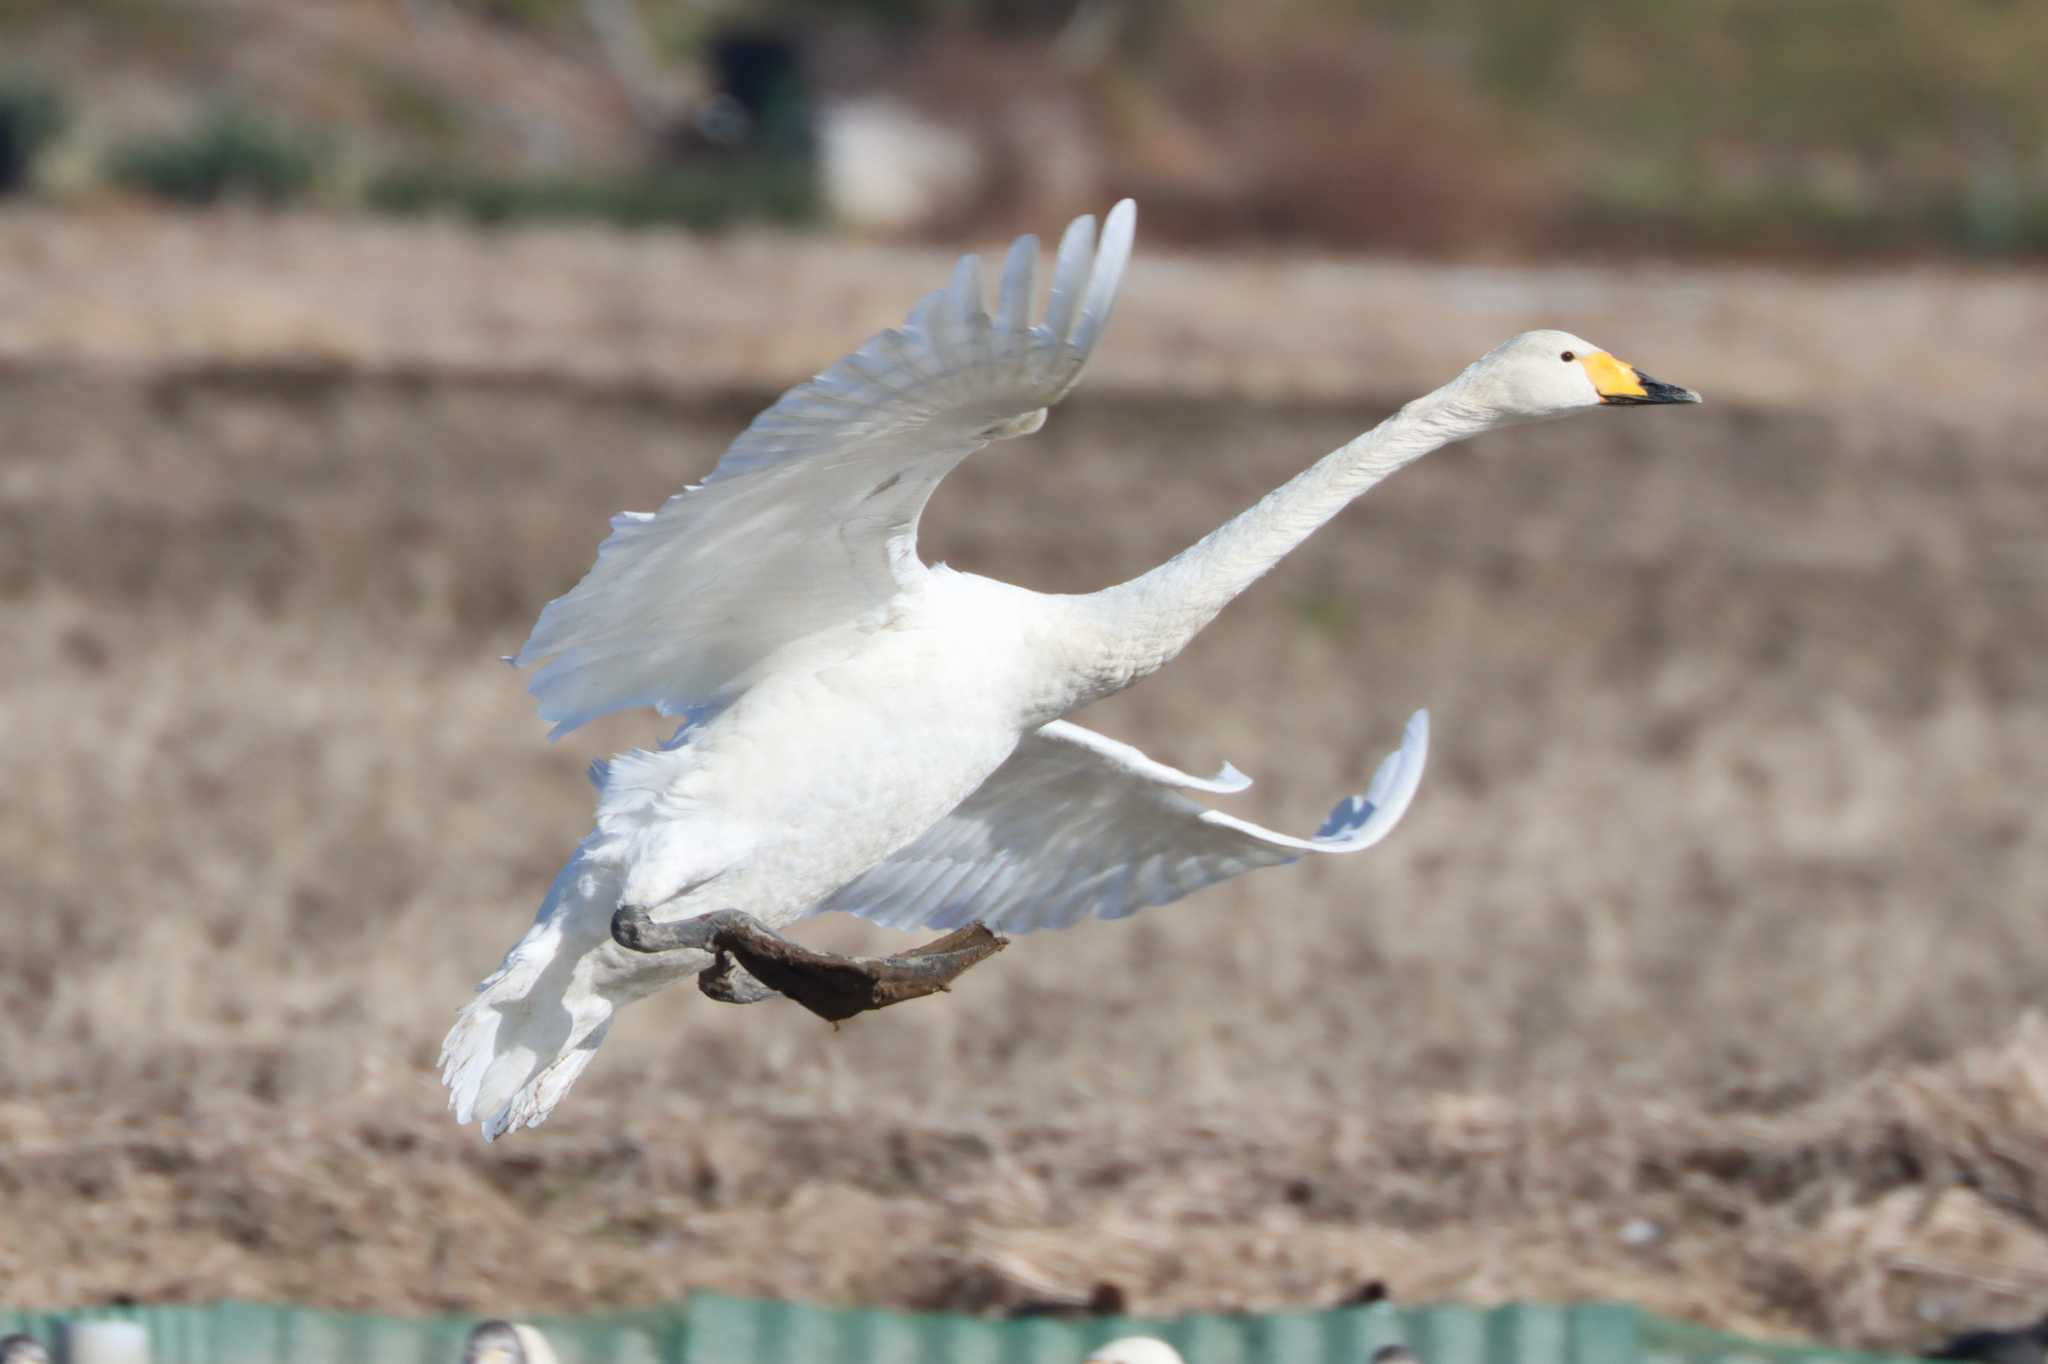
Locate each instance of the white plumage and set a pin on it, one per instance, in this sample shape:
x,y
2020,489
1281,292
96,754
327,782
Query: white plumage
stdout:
x,y
1135,1350
506,1342
1077,824
23,1349
809,523
866,733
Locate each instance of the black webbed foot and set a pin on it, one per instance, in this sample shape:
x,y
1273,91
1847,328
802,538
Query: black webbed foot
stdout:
x,y
753,961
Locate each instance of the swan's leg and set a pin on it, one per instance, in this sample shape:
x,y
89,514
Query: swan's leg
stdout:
x,y
634,929
831,986
728,982
725,980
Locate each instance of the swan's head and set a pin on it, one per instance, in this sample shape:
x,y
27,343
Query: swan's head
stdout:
x,y
494,1342
1135,1350
1549,373
20,1349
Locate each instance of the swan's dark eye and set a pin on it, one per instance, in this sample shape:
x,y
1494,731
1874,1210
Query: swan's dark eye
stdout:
x,y
1568,357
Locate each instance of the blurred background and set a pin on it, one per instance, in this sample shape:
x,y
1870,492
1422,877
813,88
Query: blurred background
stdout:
x,y
1701,975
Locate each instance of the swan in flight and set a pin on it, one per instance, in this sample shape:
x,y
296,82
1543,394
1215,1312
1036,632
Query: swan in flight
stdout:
x,y
863,732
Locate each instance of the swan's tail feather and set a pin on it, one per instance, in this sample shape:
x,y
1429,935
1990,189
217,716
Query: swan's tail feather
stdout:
x,y
520,1044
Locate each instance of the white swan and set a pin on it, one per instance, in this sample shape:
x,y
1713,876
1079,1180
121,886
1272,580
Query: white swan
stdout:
x,y
1135,1350
862,732
505,1342
91,1341
23,1349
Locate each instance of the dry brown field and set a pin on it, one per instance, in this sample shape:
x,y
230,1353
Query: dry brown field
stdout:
x,y
1700,975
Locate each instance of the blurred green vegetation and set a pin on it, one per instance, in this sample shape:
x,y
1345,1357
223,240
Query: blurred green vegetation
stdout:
x,y
1723,125
233,154
1719,125
1858,124
425,116
31,115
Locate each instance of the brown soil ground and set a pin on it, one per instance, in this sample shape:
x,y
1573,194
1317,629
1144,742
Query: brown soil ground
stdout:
x,y
1697,977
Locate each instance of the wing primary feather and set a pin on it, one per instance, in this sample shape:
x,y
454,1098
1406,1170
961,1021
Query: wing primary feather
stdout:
x,y
1020,268
1382,780
965,297
1361,821
928,317
1070,276
1394,785
1110,258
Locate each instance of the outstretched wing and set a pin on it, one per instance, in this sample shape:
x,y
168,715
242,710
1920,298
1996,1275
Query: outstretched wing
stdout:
x,y
810,520
1076,824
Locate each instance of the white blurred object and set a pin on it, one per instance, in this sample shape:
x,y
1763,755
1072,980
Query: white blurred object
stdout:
x,y
105,1342
1639,1232
887,168
506,1342
1135,1350
20,1349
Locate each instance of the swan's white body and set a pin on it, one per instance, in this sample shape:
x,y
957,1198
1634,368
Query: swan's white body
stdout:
x,y
862,732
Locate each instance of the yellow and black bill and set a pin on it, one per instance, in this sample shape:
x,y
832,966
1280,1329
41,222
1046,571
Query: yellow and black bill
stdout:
x,y
1621,384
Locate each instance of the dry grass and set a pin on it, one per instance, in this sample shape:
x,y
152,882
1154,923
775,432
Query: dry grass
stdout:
x,y
689,317
1739,712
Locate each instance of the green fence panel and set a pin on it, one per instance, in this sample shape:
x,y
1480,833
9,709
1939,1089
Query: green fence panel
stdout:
x,y
742,1331
259,1333
720,1330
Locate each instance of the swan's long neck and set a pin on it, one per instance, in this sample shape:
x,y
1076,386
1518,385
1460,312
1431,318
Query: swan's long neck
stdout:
x,y
1139,625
